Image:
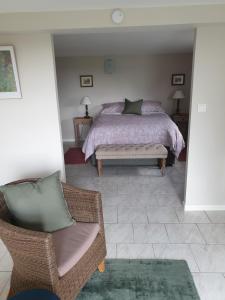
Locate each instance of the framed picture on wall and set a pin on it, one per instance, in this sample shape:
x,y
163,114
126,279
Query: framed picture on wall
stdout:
x,y
86,80
9,80
178,79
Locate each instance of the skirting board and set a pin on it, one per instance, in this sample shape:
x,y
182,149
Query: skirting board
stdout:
x,y
204,207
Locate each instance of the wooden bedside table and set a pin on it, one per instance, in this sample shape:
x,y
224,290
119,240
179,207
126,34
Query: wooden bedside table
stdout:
x,y
182,122
77,122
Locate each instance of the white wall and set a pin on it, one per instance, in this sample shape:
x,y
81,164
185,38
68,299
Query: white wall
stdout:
x,y
30,138
101,18
206,160
206,168
135,77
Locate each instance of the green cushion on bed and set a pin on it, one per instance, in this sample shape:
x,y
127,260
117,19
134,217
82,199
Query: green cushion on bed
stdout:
x,y
132,107
38,206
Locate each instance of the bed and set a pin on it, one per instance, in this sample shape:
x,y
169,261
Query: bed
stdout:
x,y
155,127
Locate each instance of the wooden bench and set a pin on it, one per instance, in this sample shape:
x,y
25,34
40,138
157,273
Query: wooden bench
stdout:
x,y
131,152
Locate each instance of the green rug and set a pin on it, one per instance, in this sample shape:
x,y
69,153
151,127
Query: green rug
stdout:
x,y
145,279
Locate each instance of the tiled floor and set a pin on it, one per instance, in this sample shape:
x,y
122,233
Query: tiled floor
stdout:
x,y
144,218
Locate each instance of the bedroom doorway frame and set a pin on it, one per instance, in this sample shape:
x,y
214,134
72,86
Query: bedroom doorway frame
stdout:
x,y
90,30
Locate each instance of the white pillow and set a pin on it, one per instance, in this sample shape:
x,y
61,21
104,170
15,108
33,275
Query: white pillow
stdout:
x,y
116,108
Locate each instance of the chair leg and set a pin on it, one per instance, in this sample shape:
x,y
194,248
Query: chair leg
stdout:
x,y
163,166
99,165
101,267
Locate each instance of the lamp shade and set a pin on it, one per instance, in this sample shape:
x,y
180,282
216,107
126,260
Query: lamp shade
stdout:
x,y
85,101
178,95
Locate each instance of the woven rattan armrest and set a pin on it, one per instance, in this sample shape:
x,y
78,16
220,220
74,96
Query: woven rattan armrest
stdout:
x,y
34,246
22,233
84,205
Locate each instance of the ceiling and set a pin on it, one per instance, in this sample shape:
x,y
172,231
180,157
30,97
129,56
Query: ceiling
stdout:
x,y
58,5
155,40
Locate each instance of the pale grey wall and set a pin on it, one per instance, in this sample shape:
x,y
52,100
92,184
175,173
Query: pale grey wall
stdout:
x,y
145,77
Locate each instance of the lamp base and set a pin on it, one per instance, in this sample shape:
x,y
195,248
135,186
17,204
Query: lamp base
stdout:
x,y
86,112
178,107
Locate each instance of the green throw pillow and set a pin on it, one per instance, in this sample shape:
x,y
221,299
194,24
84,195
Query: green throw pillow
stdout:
x,y
132,107
38,206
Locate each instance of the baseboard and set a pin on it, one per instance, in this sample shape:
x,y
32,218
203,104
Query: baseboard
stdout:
x,y
204,207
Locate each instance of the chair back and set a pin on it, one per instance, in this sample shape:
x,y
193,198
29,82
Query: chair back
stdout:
x,y
29,249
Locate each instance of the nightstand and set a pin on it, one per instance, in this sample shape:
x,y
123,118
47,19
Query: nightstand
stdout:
x,y
182,122
77,122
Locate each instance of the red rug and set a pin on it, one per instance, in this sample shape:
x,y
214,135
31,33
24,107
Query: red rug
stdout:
x,y
74,156
183,155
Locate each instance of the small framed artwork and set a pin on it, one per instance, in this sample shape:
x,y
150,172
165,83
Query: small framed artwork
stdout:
x,y
178,79
86,81
9,79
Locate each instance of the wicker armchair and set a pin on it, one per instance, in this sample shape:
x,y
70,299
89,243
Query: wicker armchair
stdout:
x,y
33,252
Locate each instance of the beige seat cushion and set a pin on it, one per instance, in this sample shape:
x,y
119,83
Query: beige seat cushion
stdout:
x,y
72,243
131,151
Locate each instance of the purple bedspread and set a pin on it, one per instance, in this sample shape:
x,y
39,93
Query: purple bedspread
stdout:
x,y
156,128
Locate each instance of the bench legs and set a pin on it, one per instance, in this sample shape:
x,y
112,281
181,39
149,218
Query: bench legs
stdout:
x,y
99,166
162,163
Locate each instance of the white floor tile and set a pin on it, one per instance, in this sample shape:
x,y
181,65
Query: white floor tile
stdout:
x,y
170,200
4,279
191,216
130,190
210,258
161,214
210,286
116,200
127,170
213,233
166,188
109,171
176,251
184,233
150,171
119,233
6,263
110,214
176,175
149,189
85,182
111,250
132,214
5,292
108,188
137,198
150,233
86,170
216,216
143,199
140,179
112,180
2,248
134,251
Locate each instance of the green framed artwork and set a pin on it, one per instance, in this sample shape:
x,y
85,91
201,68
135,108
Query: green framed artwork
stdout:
x,y
9,80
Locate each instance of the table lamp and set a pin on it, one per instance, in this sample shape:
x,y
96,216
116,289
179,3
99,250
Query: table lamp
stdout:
x,y
178,95
86,101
